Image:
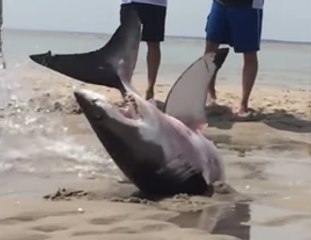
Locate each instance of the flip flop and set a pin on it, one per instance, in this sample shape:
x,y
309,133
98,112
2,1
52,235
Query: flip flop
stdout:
x,y
249,115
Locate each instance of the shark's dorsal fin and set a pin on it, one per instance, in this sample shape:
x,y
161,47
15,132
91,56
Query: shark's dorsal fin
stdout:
x,y
187,97
109,65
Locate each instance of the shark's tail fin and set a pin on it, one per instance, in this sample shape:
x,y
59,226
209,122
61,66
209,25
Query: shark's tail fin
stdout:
x,y
110,65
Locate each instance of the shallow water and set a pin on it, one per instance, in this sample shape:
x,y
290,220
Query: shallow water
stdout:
x,y
248,221
278,184
290,63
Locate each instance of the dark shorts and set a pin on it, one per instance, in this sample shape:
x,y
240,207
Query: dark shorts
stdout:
x,y
240,27
152,18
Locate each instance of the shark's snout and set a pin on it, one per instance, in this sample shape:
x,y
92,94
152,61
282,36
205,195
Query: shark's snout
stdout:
x,y
81,97
96,107
88,97
85,98
92,104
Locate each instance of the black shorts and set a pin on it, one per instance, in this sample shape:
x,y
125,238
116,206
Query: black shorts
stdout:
x,y
152,18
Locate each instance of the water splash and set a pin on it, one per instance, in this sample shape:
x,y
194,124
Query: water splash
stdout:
x,y
38,141
2,62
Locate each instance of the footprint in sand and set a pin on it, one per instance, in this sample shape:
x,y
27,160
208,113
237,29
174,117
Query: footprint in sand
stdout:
x,y
141,226
285,220
87,233
106,220
49,228
31,217
24,236
20,219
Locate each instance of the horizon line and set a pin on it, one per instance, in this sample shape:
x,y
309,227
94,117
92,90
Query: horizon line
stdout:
x,y
168,36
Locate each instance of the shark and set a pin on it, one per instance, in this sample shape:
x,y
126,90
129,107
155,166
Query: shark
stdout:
x,y
160,151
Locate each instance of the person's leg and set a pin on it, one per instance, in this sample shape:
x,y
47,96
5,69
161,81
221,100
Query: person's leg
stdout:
x,y
217,32
211,47
153,63
250,70
153,20
246,40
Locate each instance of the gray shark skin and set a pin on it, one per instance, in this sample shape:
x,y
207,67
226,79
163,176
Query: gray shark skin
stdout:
x,y
187,97
159,153
110,65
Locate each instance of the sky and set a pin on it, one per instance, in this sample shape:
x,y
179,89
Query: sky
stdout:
x,y
285,20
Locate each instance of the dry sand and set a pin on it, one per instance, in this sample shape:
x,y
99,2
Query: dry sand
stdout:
x,y
105,209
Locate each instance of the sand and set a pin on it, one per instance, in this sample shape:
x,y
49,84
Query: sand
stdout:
x,y
91,220
102,208
281,114
105,209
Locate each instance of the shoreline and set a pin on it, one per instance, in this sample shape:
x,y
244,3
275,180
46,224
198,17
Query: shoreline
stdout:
x,y
102,34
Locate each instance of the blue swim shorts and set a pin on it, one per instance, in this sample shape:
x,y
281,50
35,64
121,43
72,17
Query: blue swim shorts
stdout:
x,y
240,27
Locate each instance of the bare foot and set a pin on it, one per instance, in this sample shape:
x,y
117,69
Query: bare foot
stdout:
x,y
211,100
149,94
242,110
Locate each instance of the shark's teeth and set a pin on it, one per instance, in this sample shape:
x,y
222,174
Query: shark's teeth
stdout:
x,y
129,107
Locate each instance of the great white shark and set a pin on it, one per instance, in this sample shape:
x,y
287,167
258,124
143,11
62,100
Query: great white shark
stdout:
x,y
161,152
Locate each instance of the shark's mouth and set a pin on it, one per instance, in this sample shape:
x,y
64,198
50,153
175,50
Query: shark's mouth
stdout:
x,y
129,108
130,111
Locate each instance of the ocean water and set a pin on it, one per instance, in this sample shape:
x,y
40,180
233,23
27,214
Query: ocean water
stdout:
x,y
32,144
289,63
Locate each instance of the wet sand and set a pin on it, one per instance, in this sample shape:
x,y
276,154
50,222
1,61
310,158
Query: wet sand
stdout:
x,y
267,164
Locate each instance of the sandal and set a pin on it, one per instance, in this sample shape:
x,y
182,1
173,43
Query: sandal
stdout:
x,y
249,115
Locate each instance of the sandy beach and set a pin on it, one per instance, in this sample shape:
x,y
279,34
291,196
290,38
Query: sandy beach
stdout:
x,y
58,182
267,171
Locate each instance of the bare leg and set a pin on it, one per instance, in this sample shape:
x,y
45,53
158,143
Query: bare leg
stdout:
x,y
249,75
212,47
153,63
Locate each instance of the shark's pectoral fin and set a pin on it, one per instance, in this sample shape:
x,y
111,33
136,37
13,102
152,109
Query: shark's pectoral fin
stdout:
x,y
186,99
182,100
110,65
